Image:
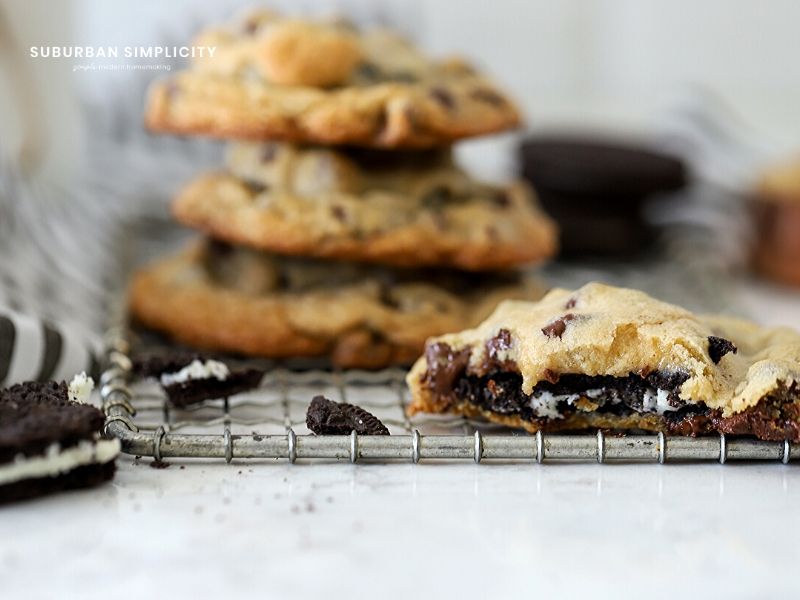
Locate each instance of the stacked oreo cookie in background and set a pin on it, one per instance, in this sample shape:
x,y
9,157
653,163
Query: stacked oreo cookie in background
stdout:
x,y
340,225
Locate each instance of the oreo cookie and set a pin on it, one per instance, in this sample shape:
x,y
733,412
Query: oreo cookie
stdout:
x,y
326,417
188,377
50,440
595,188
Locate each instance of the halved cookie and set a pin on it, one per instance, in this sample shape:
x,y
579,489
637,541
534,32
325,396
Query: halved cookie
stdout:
x,y
50,440
615,358
219,297
405,210
325,82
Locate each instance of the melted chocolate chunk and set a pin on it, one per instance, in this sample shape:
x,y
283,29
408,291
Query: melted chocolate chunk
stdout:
x,y
339,213
445,367
719,347
558,327
571,303
495,346
326,417
443,97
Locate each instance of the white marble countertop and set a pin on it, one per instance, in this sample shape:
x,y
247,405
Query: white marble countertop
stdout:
x,y
207,529
216,530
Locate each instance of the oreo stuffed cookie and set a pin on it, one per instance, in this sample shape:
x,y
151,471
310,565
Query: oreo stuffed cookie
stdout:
x,y
222,298
325,82
51,440
607,357
397,208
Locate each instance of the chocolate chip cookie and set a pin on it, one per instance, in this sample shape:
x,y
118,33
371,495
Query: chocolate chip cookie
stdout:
x,y
615,358
225,298
325,82
50,440
407,209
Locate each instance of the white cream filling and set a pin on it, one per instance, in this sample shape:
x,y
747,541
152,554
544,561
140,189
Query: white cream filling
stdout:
x,y
80,388
197,370
545,404
56,461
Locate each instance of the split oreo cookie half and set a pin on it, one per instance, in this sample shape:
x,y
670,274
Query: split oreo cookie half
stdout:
x,y
51,441
188,378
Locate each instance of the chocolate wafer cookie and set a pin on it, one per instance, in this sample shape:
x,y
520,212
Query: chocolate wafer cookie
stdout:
x,y
191,377
615,358
325,82
50,440
406,209
219,297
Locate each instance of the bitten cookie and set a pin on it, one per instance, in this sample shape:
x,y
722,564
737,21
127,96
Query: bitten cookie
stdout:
x,y
369,206
218,297
50,440
325,82
615,358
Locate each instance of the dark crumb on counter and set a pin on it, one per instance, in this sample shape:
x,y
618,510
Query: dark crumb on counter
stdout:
x,y
159,464
182,466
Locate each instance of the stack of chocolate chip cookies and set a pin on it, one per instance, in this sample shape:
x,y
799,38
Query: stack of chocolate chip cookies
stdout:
x,y
340,226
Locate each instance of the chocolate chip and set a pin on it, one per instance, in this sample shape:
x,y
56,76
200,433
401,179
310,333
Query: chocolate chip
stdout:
x,y
326,417
386,298
443,97
369,71
171,89
250,26
488,96
404,77
571,302
558,327
501,199
496,346
339,213
256,187
269,152
437,198
719,347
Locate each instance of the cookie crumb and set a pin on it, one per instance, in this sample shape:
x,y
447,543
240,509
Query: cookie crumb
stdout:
x,y
719,347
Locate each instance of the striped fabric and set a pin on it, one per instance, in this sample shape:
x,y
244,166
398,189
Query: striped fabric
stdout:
x,y
32,349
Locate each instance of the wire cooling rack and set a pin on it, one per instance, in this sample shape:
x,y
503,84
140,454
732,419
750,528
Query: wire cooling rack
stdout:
x,y
269,421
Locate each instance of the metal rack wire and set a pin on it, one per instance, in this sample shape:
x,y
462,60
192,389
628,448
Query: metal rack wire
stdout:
x,y
269,422
264,424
